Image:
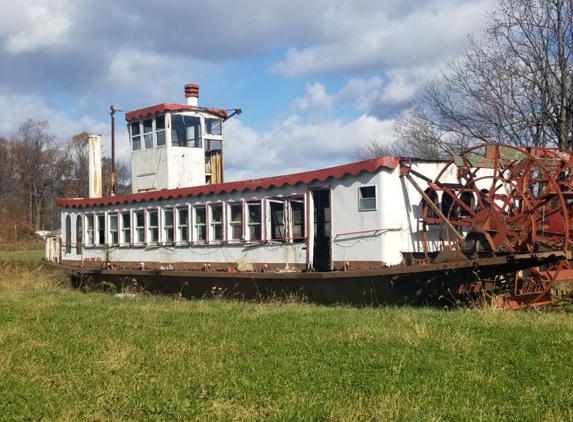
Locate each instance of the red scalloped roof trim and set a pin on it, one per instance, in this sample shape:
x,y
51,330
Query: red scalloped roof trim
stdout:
x,y
322,175
162,108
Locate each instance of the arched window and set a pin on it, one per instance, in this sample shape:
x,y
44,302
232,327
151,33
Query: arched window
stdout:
x,y
79,230
68,234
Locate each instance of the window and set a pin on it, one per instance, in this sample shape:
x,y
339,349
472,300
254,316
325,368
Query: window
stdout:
x,y
468,199
135,136
200,228
90,229
101,229
186,131
254,222
139,226
297,210
367,198
79,235
213,126
217,222
126,228
160,130
182,224
153,227
148,133
113,232
168,225
236,221
277,219
68,234
433,196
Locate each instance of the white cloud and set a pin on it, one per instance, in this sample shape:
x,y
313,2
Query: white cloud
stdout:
x,y
294,146
377,40
316,101
31,25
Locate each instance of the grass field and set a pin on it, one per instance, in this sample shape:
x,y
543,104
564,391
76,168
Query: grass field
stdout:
x,y
69,356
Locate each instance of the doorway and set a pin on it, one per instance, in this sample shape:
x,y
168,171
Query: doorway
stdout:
x,y
322,246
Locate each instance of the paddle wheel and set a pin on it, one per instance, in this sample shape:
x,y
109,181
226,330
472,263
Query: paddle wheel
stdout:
x,y
505,200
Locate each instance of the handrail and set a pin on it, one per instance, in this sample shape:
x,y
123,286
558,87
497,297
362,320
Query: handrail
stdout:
x,y
374,231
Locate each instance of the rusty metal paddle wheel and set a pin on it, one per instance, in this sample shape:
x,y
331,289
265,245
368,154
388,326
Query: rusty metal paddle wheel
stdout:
x,y
494,200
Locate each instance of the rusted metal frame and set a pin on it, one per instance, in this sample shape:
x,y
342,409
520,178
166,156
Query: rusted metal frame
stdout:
x,y
548,286
434,206
471,173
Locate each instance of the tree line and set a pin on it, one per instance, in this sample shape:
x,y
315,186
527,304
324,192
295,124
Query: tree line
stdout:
x,y
512,84
36,168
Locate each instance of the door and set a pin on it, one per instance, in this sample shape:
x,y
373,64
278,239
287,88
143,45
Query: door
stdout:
x,y
322,245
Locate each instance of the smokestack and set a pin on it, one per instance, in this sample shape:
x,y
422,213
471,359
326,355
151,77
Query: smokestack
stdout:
x,y
192,94
94,145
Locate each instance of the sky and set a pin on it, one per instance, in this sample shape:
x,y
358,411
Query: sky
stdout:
x,y
316,79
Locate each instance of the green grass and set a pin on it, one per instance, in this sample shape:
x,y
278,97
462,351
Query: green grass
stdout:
x,y
29,251
70,356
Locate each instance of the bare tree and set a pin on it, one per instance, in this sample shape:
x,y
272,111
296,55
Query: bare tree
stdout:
x,y
39,164
513,84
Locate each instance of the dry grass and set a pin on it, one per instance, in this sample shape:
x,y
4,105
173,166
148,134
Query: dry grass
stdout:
x,y
69,356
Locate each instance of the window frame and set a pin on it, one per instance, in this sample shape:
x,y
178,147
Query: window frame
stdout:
x,y
110,232
363,201
274,206
125,229
216,226
152,231
250,225
180,226
138,229
100,231
90,232
165,227
200,227
232,224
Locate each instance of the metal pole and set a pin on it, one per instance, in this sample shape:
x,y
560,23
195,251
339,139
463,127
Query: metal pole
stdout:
x,y
112,111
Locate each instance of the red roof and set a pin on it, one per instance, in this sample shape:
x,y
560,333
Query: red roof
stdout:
x,y
322,175
162,108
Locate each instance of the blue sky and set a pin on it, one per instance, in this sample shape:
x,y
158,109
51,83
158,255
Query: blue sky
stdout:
x,y
316,79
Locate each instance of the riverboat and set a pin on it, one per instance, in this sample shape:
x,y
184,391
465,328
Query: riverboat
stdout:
x,y
350,233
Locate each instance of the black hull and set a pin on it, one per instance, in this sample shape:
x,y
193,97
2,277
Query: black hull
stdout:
x,y
398,285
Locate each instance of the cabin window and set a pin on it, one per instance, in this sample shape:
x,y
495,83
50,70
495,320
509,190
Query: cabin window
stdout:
x,y
297,212
468,199
254,220
135,136
216,222
160,130
430,212
139,226
182,224
186,131
68,234
236,221
101,229
79,231
148,133
126,228
113,229
213,126
277,219
367,198
90,229
200,228
153,227
449,206
168,225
